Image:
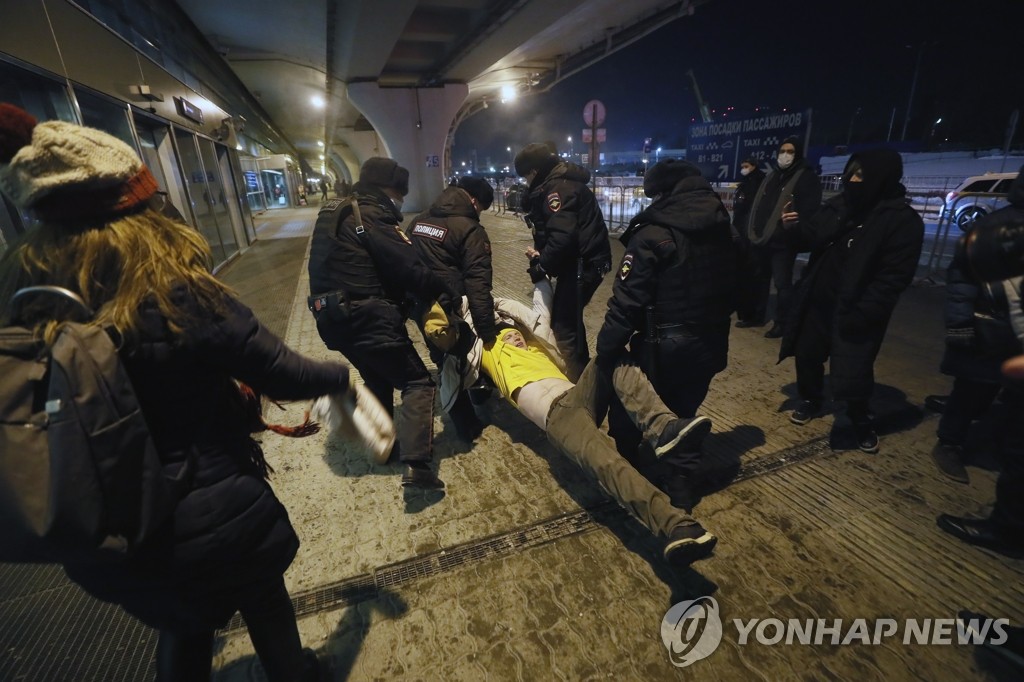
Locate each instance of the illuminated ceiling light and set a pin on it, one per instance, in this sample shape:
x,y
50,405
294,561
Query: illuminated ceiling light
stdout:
x,y
317,101
320,143
508,93
321,157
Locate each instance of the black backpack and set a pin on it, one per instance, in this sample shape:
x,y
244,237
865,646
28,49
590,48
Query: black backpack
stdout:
x,y
80,478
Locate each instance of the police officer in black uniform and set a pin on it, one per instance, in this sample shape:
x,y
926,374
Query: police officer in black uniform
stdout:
x,y
671,303
453,243
570,244
361,268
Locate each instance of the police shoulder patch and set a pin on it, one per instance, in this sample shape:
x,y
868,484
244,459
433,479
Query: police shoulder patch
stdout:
x,y
332,205
626,267
554,202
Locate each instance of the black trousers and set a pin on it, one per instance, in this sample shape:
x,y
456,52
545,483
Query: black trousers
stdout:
x,y
969,400
400,368
270,618
570,297
774,264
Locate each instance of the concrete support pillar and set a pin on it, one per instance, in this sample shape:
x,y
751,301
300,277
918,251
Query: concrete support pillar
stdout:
x,y
413,123
356,147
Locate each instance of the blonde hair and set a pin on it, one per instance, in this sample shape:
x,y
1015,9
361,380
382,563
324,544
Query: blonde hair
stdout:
x,y
115,267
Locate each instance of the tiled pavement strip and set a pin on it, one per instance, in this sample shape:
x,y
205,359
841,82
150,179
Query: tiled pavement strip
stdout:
x,y
525,571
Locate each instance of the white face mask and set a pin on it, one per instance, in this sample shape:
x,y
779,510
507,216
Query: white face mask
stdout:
x,y
744,172
786,160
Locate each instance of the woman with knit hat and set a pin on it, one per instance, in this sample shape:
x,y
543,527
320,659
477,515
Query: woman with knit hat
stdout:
x,y
183,340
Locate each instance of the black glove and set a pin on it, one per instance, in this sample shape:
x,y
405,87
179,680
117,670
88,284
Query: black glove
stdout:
x,y
960,337
606,362
536,270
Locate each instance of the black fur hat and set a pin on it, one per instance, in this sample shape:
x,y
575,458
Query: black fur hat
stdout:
x,y
383,173
479,189
664,175
536,156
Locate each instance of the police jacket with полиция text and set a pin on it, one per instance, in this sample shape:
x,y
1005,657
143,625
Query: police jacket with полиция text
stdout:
x,y
568,222
453,243
679,259
368,259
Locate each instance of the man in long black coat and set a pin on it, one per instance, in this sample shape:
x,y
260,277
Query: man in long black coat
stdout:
x,y
865,245
750,304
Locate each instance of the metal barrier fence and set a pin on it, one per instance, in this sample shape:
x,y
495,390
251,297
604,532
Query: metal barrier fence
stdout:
x,y
621,198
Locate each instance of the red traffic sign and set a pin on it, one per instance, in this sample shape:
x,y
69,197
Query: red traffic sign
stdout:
x,y
593,112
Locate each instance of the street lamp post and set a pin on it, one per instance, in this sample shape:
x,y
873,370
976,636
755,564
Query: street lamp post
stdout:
x,y
931,138
511,159
570,148
657,155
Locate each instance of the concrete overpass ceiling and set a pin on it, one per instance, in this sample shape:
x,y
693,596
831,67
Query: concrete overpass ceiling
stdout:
x,y
290,54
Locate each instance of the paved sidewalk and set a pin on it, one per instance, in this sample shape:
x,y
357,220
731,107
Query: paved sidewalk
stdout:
x,y
524,569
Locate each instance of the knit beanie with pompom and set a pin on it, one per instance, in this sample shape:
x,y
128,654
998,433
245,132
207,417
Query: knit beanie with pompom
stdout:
x,y
68,172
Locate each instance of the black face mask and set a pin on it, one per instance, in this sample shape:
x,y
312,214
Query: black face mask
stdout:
x,y
856,197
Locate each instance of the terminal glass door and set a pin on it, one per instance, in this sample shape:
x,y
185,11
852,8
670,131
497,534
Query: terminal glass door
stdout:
x,y
199,192
220,195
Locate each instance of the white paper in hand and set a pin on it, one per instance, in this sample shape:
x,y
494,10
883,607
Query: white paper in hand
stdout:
x,y
358,417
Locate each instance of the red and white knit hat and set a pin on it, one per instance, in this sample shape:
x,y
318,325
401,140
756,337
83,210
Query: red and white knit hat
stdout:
x,y
65,171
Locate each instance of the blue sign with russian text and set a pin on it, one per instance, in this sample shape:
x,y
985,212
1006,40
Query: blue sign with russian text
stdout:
x,y
718,147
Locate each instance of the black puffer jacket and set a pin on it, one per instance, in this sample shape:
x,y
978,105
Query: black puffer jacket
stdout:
x,y
568,222
453,243
229,531
679,258
879,259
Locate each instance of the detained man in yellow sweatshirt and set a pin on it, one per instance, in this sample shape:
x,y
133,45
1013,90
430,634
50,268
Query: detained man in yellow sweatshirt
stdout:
x,y
528,377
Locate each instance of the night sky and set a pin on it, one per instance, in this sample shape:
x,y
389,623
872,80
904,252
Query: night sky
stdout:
x,y
831,56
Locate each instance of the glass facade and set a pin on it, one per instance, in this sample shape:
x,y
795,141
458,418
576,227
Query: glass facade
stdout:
x,y
195,172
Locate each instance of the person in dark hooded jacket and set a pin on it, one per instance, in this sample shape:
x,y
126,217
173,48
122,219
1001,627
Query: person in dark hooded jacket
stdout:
x,y
671,304
865,245
980,336
362,268
453,243
570,244
1003,529
790,191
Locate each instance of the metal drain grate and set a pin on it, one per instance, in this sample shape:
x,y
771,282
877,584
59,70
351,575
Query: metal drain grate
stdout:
x,y
368,585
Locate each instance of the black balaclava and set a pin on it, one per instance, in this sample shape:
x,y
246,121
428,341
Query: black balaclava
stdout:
x,y
882,170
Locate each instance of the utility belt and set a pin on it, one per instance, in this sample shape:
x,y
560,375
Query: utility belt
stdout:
x,y
689,330
339,298
600,267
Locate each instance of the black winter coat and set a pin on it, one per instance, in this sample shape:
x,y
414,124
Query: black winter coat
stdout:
x,y
229,532
453,243
880,263
743,199
680,260
376,266
567,221
983,307
806,198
